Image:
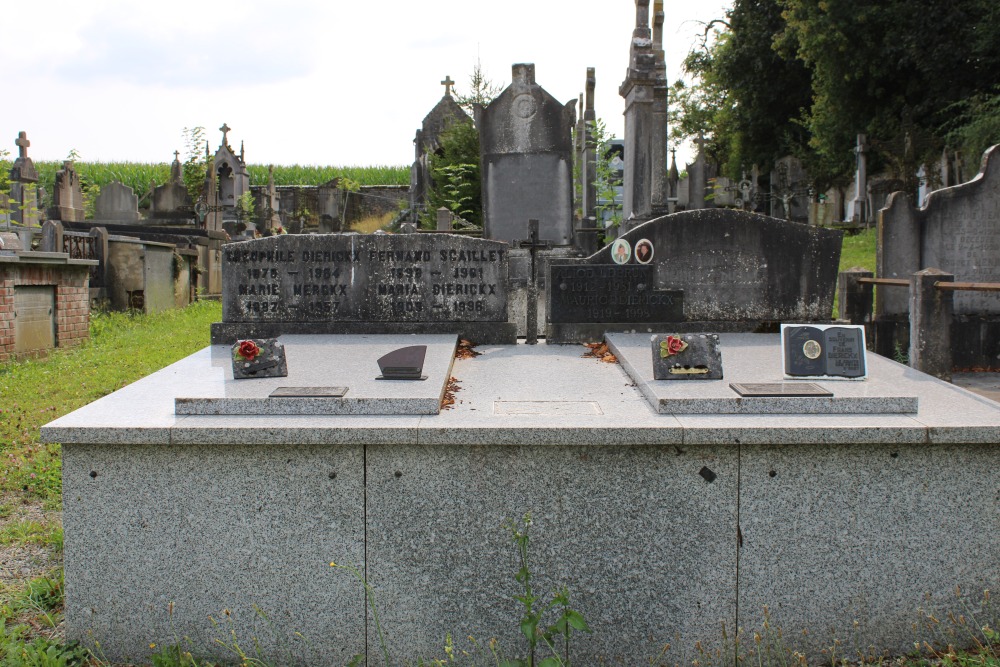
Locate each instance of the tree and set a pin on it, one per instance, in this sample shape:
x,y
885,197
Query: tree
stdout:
x,y
482,90
195,167
454,168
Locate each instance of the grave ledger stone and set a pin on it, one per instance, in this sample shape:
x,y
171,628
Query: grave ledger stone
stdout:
x,y
705,270
350,283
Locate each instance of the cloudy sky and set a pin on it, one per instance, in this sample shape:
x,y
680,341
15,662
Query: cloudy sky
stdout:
x,y
300,81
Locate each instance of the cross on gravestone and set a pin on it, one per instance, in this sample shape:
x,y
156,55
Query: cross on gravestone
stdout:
x,y
533,245
177,156
22,144
447,83
225,130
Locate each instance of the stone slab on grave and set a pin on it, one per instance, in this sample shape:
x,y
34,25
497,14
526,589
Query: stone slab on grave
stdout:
x,y
747,359
360,284
322,362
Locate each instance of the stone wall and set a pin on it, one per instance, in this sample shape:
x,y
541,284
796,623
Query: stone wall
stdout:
x,y
72,304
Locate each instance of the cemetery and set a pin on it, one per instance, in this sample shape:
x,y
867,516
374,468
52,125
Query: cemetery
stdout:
x,y
699,411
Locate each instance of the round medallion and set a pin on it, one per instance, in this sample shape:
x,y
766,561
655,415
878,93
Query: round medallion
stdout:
x,y
644,251
621,251
525,106
812,349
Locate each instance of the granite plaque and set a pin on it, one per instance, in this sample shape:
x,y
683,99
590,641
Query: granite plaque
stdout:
x,y
823,351
778,389
610,293
259,358
406,363
309,392
353,283
686,357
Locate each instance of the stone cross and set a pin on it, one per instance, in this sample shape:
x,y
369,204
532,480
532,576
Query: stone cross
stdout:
x,y
642,14
177,156
225,130
533,245
22,144
447,83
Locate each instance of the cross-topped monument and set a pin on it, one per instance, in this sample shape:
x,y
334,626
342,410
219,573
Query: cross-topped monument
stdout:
x,y
22,144
177,156
533,245
448,84
225,130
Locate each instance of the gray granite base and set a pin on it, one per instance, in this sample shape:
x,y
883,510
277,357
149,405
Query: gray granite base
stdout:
x,y
161,540
746,360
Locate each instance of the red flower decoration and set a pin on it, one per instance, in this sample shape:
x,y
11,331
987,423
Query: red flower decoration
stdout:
x,y
671,346
248,350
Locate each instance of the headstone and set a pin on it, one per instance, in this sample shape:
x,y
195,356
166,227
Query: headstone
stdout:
x,y
379,283
526,150
707,270
23,185
116,202
259,358
790,188
858,212
659,190
171,200
427,141
52,236
67,198
956,231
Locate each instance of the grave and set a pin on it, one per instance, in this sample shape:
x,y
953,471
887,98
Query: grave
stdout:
x,y
67,198
706,270
116,203
171,201
24,198
526,151
956,231
378,283
428,141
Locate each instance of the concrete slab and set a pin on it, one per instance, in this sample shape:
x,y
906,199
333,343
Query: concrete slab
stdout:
x,y
325,361
751,358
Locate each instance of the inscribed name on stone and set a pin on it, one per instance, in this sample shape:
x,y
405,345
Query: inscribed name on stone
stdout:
x,y
371,281
610,293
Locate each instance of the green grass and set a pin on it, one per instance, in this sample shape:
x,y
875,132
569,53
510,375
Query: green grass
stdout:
x,y
122,349
859,250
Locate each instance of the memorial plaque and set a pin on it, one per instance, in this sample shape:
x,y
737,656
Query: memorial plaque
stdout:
x,y
610,293
823,351
259,358
406,363
686,357
779,389
309,392
353,283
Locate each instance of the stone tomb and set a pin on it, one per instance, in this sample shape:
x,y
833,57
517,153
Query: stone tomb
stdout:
x,y
708,270
351,283
842,522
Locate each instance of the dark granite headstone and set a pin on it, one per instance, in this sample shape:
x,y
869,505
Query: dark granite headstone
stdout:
x,y
351,283
686,357
406,363
738,271
824,351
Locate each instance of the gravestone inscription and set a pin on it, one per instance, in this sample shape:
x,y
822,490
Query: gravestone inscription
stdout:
x,y
351,283
611,293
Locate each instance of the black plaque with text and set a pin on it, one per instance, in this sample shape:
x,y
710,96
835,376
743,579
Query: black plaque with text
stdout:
x,y
610,293
811,351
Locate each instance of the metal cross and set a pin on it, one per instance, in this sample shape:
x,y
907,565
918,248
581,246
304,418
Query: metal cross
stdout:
x,y
22,144
533,245
447,83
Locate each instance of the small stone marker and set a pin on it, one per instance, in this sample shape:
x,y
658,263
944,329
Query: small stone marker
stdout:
x,y
778,389
406,363
686,357
259,358
823,351
308,392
